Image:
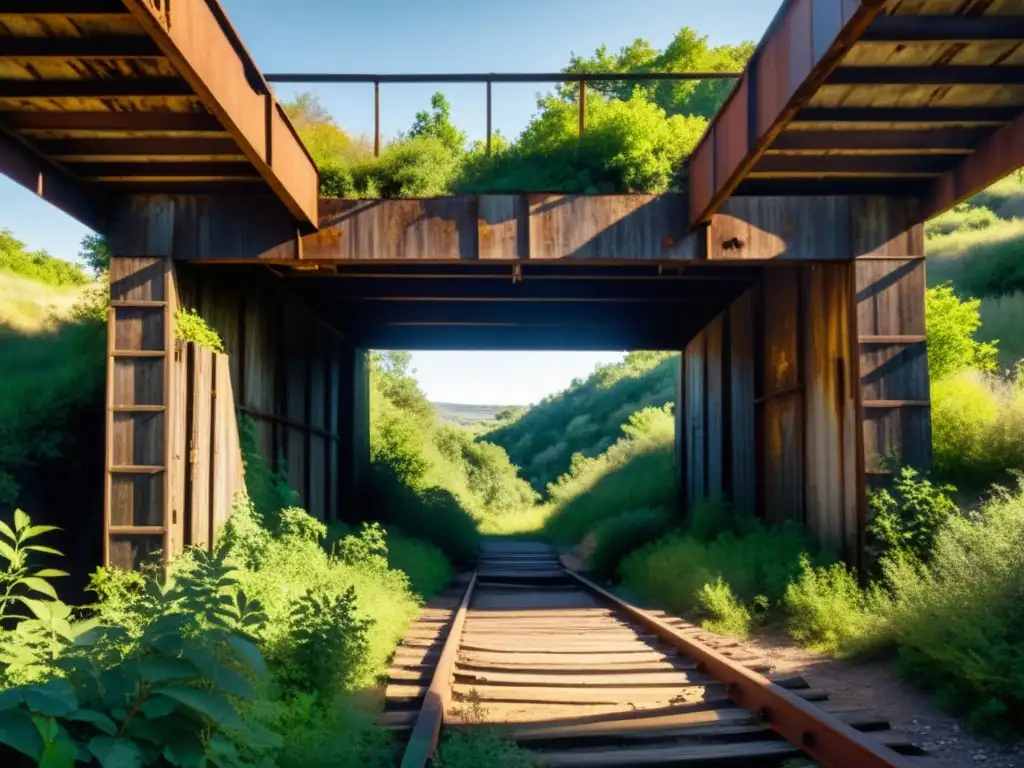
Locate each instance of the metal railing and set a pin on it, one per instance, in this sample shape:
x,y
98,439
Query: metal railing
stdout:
x,y
489,79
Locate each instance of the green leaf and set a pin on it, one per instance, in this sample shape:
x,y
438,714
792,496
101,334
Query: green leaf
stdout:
x,y
213,705
37,530
43,549
18,731
232,683
40,608
157,706
222,748
96,718
42,586
6,530
8,551
249,653
187,752
56,698
20,520
62,752
113,752
158,669
51,573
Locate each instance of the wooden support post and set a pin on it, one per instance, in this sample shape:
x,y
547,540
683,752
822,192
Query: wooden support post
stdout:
x,y
583,107
489,114
376,119
142,513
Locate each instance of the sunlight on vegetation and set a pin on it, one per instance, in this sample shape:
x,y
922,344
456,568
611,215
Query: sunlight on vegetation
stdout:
x,y
637,133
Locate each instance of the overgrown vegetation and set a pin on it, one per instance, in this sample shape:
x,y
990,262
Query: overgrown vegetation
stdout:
x,y
636,137
37,265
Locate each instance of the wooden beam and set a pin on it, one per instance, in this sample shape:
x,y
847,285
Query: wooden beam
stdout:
x,y
939,75
190,122
153,171
141,150
952,115
199,41
944,29
99,47
856,165
1000,155
74,8
953,140
807,40
20,162
128,87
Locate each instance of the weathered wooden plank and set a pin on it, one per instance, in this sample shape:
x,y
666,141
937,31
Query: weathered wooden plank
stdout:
x,y
201,446
715,400
742,431
782,417
227,459
695,415
831,447
792,228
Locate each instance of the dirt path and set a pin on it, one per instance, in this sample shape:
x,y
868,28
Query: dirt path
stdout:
x,y
875,686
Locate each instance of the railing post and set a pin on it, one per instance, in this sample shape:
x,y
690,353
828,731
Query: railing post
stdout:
x,y
583,106
376,118
488,118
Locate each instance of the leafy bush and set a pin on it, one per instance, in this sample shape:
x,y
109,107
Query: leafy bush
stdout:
x,y
726,614
952,323
908,518
980,263
190,326
486,748
753,561
964,217
977,423
616,537
828,611
37,265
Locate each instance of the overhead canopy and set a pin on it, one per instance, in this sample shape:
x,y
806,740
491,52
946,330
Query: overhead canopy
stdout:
x,y
902,97
106,97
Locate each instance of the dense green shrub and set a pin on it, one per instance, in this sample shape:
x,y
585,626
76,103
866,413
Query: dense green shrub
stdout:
x,y
908,516
977,424
725,614
952,323
615,537
37,265
964,217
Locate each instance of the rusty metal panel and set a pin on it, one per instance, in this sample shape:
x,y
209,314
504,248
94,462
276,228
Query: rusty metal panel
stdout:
x,y
797,30
503,227
792,228
732,133
827,19
830,410
436,228
623,227
701,179
696,435
741,406
715,402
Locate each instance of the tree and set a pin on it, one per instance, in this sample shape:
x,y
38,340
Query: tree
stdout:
x,y
95,252
438,124
327,143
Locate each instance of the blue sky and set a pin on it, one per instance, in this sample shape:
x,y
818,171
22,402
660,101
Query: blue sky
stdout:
x,y
437,36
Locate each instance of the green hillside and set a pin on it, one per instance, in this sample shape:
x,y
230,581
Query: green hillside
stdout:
x,y
475,415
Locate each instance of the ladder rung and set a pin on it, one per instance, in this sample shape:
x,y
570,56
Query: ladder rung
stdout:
x,y
139,408
132,469
139,353
136,530
137,304
898,339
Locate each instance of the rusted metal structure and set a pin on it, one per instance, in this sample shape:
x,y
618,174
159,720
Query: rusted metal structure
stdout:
x,y
791,272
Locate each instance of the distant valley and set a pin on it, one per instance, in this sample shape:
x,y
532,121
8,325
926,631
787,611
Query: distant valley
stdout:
x,y
467,415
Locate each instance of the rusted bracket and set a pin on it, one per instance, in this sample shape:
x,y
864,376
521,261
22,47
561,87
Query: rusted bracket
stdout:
x,y
422,744
825,738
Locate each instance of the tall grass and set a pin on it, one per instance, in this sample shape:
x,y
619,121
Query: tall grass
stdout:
x,y
1002,321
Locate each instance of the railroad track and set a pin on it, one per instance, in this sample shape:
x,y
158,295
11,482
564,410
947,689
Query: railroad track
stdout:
x,y
582,679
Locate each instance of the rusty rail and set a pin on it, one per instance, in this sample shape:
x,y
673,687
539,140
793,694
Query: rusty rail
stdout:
x,y
580,78
824,737
422,744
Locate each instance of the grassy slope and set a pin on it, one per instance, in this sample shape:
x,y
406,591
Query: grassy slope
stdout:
x,y
26,305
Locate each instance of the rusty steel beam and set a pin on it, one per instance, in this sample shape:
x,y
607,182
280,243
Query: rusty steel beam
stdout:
x,y
99,47
906,163
820,734
944,29
1000,155
22,163
494,77
952,140
422,744
74,8
948,115
188,122
203,47
806,41
99,88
